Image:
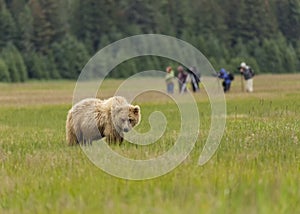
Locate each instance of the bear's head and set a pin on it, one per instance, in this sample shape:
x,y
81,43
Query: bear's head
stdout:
x,y
134,115
126,117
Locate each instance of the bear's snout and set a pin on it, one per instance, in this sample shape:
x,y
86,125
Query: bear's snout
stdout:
x,y
126,130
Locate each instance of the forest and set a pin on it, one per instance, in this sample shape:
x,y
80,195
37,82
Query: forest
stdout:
x,y
54,39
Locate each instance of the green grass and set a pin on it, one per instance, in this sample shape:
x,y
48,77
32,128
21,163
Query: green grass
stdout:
x,y
255,170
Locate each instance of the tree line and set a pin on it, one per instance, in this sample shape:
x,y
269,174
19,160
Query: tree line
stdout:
x,y
54,39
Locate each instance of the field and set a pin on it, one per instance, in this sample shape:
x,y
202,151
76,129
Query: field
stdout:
x,y
255,170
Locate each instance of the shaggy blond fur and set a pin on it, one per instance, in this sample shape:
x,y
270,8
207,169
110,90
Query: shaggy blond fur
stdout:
x,y
92,118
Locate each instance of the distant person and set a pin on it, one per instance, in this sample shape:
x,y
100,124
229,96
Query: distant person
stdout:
x,y
248,74
227,78
169,78
194,78
182,78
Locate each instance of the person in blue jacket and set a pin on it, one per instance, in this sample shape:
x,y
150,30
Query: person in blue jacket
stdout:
x,y
227,78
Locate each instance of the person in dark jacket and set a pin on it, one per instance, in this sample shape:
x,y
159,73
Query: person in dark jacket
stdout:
x,y
194,78
248,74
182,78
227,78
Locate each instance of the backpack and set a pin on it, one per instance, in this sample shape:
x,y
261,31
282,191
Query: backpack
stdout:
x,y
251,72
231,76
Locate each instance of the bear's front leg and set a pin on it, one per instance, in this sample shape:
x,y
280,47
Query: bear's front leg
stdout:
x,y
114,139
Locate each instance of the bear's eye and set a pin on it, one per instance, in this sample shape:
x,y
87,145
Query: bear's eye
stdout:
x,y
123,120
130,120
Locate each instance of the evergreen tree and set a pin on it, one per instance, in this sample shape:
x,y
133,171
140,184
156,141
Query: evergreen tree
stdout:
x,y
252,46
7,25
41,67
20,65
42,32
47,33
142,14
288,15
294,20
214,63
4,74
37,67
70,56
240,49
224,64
15,63
163,19
51,66
25,26
54,11
91,20
215,49
9,60
201,44
288,55
270,60
289,60
208,19
298,55
15,7
249,19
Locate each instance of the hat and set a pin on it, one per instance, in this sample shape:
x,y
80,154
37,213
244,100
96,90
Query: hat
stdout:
x,y
243,65
222,71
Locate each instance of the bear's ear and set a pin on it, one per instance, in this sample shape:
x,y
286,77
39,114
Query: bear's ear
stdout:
x,y
135,109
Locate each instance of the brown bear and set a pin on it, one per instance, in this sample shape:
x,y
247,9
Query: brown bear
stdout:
x,y
92,118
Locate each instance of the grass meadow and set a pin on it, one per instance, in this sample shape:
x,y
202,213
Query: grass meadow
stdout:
x,y
256,169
